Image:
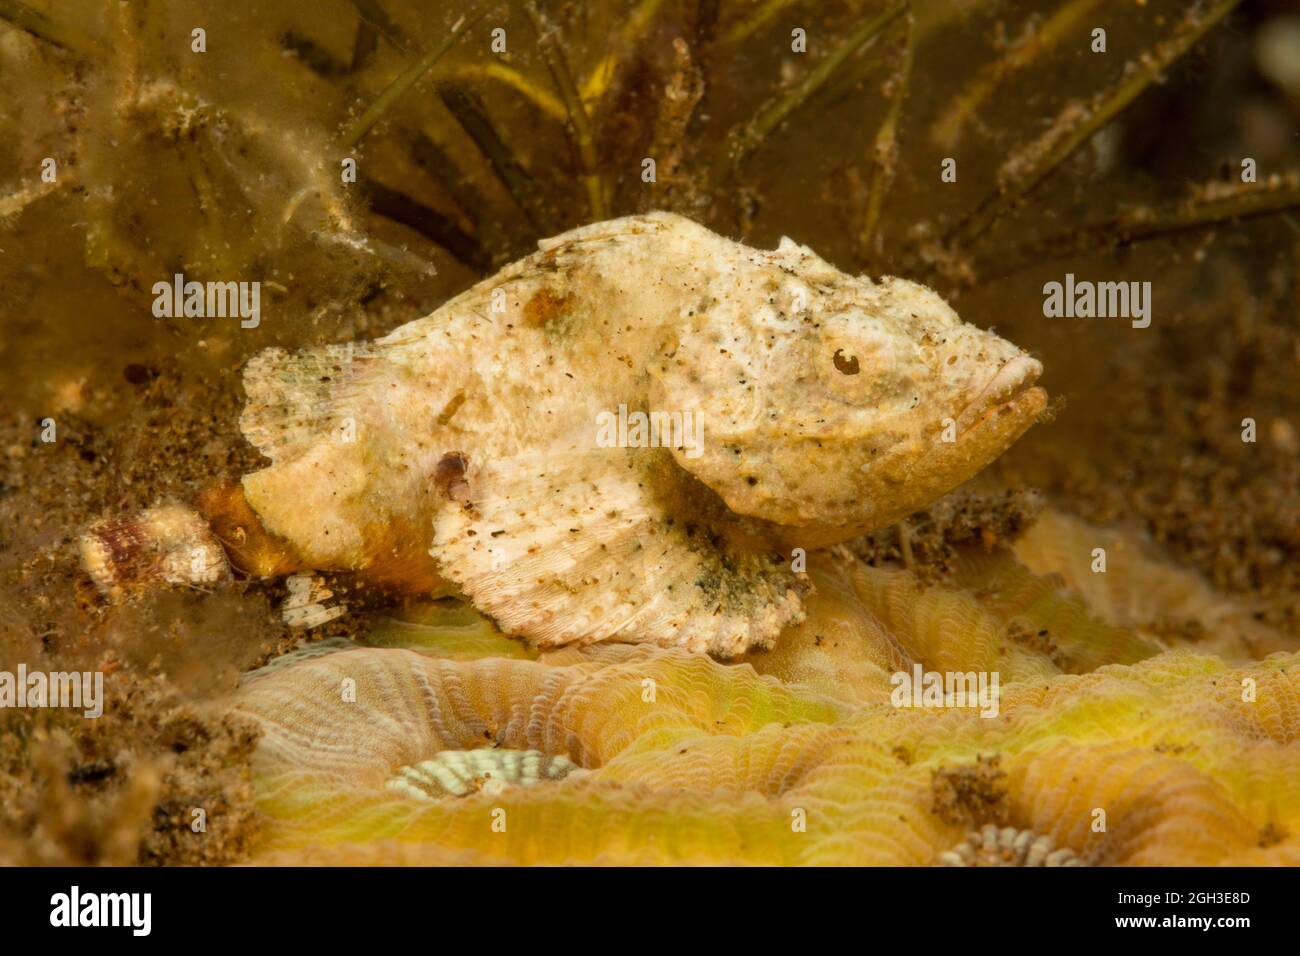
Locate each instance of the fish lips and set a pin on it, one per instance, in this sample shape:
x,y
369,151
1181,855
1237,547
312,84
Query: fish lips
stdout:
x,y
1010,390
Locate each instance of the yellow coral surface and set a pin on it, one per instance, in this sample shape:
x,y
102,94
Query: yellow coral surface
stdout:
x,y
1115,738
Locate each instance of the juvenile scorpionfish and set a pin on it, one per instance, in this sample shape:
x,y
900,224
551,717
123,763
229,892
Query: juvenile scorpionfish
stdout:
x,y
620,437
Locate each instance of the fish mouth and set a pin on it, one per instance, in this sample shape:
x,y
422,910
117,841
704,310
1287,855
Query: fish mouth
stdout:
x,y
1011,387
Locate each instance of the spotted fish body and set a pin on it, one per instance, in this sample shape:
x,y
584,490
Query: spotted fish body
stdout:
x,y
469,443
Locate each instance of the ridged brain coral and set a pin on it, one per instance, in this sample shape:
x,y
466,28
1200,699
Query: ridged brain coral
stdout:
x,y
798,756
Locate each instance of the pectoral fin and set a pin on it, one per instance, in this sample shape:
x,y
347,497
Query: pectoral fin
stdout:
x,y
571,550
346,488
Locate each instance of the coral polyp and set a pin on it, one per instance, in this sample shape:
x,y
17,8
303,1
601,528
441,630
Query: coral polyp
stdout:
x,y
1008,846
460,772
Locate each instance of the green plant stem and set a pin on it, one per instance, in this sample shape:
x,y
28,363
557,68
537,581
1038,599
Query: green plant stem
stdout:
x,y
1028,166
767,12
470,113
1210,206
373,14
543,99
885,147
947,129
584,137
636,24
778,110
397,206
407,79
43,28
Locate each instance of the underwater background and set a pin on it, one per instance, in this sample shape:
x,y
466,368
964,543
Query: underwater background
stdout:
x,y
1163,692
